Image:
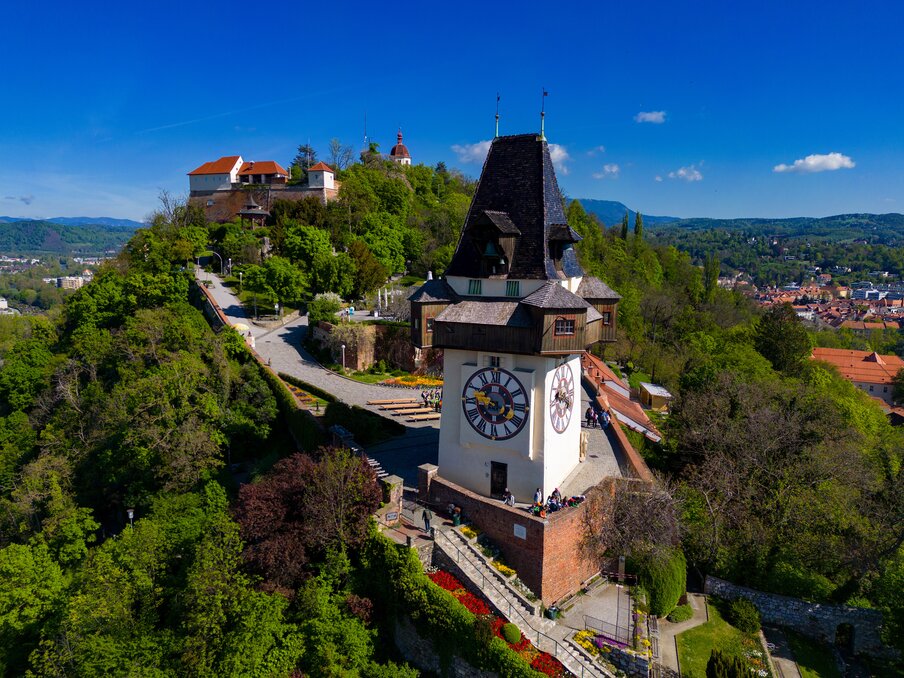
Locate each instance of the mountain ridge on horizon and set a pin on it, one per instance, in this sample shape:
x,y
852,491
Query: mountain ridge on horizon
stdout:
x,y
612,211
112,222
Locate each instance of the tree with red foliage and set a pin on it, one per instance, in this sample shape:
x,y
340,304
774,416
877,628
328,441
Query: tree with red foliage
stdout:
x,y
301,509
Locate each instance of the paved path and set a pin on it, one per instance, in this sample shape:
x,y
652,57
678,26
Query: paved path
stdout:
x,y
668,651
282,348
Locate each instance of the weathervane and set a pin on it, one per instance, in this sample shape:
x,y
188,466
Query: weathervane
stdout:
x,y
543,115
497,114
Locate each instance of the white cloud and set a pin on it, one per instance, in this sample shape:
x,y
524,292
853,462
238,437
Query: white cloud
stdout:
x,y
472,153
657,178
655,117
559,157
596,149
689,173
817,162
610,171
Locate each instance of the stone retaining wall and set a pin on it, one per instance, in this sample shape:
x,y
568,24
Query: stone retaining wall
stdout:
x,y
630,662
819,621
421,653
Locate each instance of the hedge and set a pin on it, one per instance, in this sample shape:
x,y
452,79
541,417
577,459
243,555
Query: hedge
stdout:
x,y
303,427
310,388
397,581
665,579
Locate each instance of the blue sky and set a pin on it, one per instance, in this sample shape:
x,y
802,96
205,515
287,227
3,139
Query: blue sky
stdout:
x,y
678,108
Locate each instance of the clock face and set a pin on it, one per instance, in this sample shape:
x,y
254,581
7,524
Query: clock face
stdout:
x,y
561,398
495,403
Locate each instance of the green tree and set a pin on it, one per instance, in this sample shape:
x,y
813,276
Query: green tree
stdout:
x,y
624,227
782,339
638,227
369,271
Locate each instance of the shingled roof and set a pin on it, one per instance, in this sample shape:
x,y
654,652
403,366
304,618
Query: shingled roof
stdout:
x,y
553,295
594,288
434,291
518,179
504,313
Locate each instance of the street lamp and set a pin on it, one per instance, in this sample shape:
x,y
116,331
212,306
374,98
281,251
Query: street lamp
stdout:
x,y
230,265
131,513
240,282
343,358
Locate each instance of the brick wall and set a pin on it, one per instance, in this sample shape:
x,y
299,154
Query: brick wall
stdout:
x,y
544,551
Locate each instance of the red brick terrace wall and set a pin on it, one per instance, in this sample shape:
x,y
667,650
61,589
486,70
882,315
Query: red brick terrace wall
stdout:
x,y
548,560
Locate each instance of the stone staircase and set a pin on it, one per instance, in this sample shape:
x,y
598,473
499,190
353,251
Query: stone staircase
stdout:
x,y
544,633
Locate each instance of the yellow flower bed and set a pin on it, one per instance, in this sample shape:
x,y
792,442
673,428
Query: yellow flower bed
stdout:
x,y
413,381
505,570
585,640
470,532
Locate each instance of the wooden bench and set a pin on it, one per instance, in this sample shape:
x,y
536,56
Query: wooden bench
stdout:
x,y
397,401
416,410
424,417
402,406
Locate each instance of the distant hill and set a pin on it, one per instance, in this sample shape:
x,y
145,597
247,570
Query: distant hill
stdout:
x,y
877,228
611,212
81,221
47,237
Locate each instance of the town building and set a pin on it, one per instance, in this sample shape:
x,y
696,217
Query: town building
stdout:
x,y
868,371
231,187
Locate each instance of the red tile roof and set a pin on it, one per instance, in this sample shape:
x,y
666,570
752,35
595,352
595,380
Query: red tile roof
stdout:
x,y
222,166
862,366
320,167
262,167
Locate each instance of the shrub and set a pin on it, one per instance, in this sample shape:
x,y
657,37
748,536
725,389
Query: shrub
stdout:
x,y
469,531
789,580
725,666
664,577
681,613
324,307
503,569
367,427
743,615
511,633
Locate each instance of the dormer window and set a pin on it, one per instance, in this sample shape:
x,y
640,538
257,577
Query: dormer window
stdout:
x,y
513,288
475,287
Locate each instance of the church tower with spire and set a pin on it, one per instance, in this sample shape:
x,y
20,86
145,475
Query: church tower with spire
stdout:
x,y
513,315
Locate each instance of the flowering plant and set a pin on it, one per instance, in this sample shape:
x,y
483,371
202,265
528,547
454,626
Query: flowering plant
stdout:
x,y
549,665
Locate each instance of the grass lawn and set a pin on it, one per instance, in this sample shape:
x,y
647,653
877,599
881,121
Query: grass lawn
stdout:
x,y
637,377
813,659
367,377
696,644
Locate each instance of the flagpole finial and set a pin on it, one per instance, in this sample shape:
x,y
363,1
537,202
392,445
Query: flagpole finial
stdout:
x,y
497,115
543,115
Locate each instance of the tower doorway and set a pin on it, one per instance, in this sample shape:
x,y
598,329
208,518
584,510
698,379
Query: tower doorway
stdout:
x,y
498,479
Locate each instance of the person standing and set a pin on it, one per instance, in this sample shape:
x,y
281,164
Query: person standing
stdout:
x,y
588,415
538,497
427,515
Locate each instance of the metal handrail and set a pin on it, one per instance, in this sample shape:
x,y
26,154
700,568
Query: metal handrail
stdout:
x,y
525,621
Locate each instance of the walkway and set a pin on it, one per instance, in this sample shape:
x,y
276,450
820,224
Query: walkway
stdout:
x,y
668,650
282,347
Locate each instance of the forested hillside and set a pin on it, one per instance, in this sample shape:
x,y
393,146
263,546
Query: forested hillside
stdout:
x,y
42,237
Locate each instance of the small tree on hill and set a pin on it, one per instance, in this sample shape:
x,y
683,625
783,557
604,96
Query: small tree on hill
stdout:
x,y
898,386
624,227
638,226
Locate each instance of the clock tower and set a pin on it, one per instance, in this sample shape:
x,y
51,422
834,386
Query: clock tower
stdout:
x,y
513,315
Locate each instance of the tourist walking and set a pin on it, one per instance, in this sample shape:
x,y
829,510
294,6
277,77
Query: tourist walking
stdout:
x,y
588,415
427,515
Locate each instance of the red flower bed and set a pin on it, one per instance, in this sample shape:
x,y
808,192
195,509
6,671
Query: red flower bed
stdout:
x,y
540,661
546,663
474,604
445,581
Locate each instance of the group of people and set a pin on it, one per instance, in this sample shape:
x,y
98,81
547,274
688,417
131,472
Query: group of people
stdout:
x,y
554,502
594,417
433,399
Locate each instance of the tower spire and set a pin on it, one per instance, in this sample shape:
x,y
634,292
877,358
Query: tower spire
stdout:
x,y
497,114
543,115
